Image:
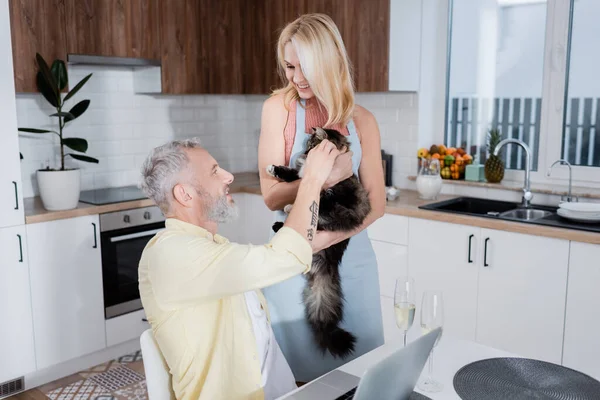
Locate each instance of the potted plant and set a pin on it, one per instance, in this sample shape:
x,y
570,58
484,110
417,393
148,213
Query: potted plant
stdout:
x,y
60,187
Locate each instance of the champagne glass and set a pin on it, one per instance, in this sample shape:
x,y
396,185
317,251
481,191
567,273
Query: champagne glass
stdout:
x,y
432,317
404,304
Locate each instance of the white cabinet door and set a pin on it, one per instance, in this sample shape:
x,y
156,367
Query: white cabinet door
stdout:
x,y
439,259
11,201
582,325
66,288
522,292
392,262
390,228
405,45
17,356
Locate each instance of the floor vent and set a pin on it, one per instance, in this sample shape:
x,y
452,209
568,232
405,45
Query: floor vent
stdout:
x,y
11,387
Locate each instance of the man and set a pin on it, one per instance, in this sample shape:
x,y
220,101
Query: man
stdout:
x,y
201,292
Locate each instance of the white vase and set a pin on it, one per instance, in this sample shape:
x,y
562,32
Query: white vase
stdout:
x,y
59,190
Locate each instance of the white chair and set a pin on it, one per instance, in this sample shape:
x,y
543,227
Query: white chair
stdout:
x,y
158,378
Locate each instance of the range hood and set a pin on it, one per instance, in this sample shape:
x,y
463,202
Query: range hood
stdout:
x,y
83,59
146,72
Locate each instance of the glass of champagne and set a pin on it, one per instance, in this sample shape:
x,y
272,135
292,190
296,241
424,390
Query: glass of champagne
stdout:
x,y
432,317
404,304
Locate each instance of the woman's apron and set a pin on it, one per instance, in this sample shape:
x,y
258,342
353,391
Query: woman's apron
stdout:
x,y
360,286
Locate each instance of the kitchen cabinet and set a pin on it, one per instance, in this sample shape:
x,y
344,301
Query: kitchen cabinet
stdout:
x,y
16,335
439,258
37,26
11,198
114,28
581,346
389,238
201,46
502,289
522,291
66,289
405,45
367,47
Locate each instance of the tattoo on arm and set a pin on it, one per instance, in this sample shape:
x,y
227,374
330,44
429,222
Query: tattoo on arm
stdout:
x,y
314,218
314,207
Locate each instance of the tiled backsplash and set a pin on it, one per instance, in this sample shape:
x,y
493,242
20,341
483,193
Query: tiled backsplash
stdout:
x,y
121,127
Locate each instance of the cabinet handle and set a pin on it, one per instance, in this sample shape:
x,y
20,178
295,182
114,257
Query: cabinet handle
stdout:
x,y
20,248
485,264
95,238
144,319
16,196
469,255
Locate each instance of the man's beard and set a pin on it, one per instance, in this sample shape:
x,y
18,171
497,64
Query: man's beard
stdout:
x,y
219,209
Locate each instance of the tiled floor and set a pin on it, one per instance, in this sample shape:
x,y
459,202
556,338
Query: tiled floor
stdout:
x,y
121,379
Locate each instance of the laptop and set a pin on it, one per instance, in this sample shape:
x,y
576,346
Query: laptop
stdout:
x,y
392,378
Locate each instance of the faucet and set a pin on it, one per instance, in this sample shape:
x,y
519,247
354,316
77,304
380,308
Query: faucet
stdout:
x,y
563,162
527,195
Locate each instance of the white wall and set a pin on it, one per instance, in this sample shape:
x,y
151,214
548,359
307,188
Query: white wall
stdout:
x,y
121,127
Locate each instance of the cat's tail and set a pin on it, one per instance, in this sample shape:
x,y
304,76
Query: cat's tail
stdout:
x,y
323,302
339,342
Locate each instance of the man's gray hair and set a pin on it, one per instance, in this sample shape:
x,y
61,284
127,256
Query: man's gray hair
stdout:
x,y
161,167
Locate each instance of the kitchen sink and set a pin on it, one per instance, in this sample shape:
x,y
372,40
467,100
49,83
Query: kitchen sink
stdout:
x,y
508,211
473,206
527,214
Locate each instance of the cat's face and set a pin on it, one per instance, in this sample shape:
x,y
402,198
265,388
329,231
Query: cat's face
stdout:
x,y
319,134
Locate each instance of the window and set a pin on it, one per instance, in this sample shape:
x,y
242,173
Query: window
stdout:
x,y
495,76
526,68
581,133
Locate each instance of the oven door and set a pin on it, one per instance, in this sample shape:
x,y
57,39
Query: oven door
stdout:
x,y
121,253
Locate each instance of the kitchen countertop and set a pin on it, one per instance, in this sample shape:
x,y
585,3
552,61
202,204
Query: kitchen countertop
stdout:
x,y
35,212
406,204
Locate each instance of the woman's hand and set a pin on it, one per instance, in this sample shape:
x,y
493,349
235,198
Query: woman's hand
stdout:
x,y
342,169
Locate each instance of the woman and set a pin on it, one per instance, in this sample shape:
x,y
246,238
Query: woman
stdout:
x,y
319,91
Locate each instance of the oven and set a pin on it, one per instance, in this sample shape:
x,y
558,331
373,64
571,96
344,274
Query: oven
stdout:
x,y
123,236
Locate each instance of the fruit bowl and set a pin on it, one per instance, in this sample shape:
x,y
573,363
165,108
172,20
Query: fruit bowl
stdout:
x,y
453,161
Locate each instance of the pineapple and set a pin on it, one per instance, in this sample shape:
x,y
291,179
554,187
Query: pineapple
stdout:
x,y
494,166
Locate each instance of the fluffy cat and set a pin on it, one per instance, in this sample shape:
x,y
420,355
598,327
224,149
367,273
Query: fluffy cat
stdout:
x,y
343,207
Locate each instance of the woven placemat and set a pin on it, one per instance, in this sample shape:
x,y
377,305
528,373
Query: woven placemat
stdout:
x,y
522,378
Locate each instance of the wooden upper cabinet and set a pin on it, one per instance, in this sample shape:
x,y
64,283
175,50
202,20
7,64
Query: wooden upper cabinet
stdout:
x,y
201,47
37,26
115,28
365,29
363,24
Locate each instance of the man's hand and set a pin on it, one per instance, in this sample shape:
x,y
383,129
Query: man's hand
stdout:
x,y
320,161
342,169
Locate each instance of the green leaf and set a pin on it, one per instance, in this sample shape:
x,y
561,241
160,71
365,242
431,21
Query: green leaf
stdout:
x,y
77,87
77,110
76,144
48,77
83,158
46,90
63,114
59,71
33,130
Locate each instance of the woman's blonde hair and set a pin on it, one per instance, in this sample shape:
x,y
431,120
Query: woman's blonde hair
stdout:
x,y
324,63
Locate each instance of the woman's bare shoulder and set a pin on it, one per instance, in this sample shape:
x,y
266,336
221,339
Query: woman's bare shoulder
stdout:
x,y
275,103
362,114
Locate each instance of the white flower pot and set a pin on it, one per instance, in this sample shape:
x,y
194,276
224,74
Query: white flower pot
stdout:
x,y
59,190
